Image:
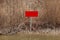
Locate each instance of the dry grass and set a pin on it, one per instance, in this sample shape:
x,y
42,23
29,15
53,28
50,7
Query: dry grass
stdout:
x,y
53,13
11,11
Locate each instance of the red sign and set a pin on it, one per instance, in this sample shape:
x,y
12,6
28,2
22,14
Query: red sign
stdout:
x,y
31,13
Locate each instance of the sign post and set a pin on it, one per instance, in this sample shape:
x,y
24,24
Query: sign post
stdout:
x,y
31,14
30,23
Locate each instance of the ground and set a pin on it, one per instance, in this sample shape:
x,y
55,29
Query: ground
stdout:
x,y
23,36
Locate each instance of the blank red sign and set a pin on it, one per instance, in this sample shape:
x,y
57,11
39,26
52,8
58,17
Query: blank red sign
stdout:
x,y
31,13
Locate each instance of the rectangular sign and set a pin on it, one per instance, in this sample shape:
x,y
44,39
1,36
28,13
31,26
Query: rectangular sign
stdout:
x,y
31,13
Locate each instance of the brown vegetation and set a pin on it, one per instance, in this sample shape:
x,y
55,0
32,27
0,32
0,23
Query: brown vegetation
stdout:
x,y
12,13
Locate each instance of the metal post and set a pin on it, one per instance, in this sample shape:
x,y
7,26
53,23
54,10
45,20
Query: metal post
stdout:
x,y
30,23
